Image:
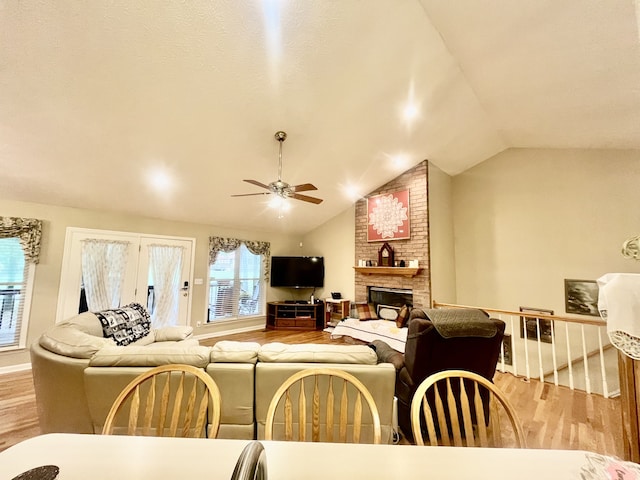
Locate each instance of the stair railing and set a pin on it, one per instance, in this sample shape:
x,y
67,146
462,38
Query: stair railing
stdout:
x,y
565,348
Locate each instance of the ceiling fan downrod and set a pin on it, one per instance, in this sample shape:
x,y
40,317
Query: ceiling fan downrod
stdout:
x,y
280,137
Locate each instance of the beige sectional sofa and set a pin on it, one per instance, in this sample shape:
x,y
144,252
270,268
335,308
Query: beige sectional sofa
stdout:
x,y
77,374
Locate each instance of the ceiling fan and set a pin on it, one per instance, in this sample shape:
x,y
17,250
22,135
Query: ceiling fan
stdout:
x,y
280,188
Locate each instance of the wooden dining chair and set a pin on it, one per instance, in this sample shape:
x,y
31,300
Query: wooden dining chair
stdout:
x,y
462,408
167,401
323,397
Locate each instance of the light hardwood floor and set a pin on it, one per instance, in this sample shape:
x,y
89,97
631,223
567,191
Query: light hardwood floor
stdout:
x,y
553,417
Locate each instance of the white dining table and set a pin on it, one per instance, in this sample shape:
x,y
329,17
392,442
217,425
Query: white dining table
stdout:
x,y
99,457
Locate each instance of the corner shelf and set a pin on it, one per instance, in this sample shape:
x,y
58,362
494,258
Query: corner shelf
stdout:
x,y
404,271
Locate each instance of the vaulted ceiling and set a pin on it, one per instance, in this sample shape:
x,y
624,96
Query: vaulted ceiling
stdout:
x,y
162,109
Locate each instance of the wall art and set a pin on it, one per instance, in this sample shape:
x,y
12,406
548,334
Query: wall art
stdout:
x,y
388,217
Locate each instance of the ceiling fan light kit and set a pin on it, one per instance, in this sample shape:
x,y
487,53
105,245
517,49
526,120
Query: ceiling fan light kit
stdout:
x,y
280,188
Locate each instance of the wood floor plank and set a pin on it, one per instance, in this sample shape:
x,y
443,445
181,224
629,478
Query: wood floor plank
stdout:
x,y
18,415
560,418
552,417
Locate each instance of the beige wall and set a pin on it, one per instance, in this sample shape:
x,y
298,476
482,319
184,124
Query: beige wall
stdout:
x,y
527,219
335,241
47,276
441,241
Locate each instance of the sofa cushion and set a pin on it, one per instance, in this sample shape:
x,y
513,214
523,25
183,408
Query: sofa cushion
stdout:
x,y
403,316
227,351
315,353
189,342
173,334
126,324
366,311
67,340
150,356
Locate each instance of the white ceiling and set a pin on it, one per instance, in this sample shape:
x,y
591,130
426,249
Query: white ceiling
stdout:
x,y
94,96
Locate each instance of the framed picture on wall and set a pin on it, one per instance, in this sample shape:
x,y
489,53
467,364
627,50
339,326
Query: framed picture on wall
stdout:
x,y
581,297
530,324
388,217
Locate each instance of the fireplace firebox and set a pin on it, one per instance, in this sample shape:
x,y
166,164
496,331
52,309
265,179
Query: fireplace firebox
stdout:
x,y
395,297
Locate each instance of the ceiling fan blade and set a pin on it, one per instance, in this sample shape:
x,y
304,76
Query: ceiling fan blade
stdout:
x,y
306,198
257,183
251,194
304,187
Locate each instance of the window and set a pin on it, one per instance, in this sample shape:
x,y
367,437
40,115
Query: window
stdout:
x,y
19,251
236,278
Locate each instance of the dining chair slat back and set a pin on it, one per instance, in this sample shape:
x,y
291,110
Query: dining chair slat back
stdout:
x,y
167,401
463,409
313,399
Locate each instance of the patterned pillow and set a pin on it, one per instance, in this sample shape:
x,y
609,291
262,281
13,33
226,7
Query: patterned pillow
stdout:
x,y
403,317
125,325
366,311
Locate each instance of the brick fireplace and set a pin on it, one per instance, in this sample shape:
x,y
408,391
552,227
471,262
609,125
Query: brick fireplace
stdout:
x,y
415,248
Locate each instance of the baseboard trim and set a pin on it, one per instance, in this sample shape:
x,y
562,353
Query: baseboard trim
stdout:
x,y
230,331
15,368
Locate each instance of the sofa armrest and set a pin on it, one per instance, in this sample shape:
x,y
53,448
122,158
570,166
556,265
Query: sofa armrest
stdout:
x,y
386,354
68,341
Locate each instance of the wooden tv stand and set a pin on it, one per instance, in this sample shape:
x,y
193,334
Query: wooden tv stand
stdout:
x,y
300,316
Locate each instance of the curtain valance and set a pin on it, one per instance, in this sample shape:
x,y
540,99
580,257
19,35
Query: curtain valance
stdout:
x,y
223,244
28,231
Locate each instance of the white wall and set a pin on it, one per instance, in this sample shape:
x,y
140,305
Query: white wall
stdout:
x,y
527,219
47,276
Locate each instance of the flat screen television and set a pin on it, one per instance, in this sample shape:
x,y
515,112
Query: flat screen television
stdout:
x,y
297,272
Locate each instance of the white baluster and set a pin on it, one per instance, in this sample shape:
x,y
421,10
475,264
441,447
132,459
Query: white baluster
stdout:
x,y
553,353
539,342
514,357
585,358
569,359
526,349
502,367
605,388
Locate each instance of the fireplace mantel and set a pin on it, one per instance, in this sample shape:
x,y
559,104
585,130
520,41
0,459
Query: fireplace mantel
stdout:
x,y
404,271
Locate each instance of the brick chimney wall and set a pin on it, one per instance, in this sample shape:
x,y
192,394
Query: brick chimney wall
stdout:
x,y
415,248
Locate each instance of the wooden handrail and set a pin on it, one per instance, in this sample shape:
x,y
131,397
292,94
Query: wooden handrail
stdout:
x,y
587,321
588,331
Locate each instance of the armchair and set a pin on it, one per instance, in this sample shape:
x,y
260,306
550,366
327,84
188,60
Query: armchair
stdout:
x,y
445,339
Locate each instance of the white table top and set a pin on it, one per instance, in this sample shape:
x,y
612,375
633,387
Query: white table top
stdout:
x,y
97,457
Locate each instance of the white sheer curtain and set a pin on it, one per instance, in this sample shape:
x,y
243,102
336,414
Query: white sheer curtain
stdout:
x,y
103,266
165,265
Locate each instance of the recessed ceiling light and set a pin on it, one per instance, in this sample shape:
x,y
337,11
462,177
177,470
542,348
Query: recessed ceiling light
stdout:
x,y
352,192
400,161
410,112
160,180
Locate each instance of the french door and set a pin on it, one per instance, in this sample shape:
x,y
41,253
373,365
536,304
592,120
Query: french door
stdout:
x,y
158,274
